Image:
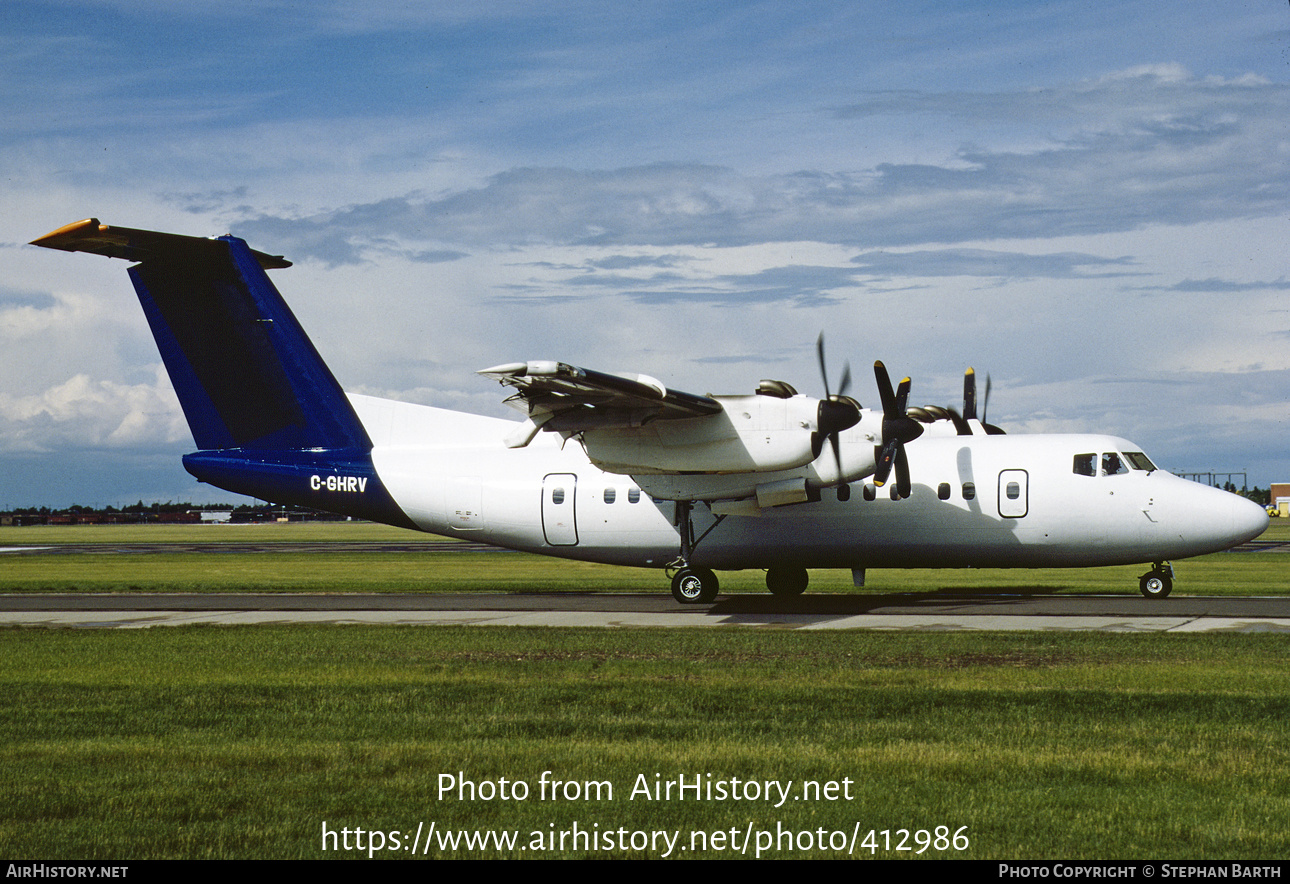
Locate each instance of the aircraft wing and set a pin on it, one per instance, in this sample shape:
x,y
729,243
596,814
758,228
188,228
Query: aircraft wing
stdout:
x,y
565,398
761,447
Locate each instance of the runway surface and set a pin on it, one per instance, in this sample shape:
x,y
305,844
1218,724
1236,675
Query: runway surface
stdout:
x,y
908,611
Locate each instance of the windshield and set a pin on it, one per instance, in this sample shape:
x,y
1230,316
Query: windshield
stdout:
x,y
1139,461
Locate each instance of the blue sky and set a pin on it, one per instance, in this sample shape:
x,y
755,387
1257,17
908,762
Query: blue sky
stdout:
x,y
1086,200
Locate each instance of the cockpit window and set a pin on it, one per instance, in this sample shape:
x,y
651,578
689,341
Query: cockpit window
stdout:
x,y
1139,461
1113,465
1085,465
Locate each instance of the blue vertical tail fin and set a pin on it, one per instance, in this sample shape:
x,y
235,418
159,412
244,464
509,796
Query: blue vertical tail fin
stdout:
x,y
269,418
246,374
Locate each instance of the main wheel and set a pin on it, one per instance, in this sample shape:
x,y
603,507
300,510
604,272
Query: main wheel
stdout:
x,y
695,586
1155,585
787,582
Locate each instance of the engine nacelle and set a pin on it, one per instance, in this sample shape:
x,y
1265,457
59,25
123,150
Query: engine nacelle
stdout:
x,y
752,434
779,487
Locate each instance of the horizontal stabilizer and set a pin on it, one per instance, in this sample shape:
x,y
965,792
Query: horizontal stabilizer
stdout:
x,y
137,245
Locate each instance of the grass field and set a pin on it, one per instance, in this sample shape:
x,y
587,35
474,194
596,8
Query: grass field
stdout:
x,y
242,741
437,571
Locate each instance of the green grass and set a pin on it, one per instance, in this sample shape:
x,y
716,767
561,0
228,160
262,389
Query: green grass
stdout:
x,y
240,742
440,571
265,532
1220,574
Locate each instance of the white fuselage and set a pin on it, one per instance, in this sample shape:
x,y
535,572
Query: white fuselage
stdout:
x,y
977,501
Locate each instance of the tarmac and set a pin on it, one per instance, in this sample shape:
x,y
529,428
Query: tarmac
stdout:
x,y
908,611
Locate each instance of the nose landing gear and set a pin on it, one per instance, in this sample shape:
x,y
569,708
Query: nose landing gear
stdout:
x,y
1158,582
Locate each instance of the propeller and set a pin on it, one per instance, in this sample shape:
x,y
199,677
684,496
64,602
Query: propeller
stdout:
x,y
836,411
929,414
897,429
969,403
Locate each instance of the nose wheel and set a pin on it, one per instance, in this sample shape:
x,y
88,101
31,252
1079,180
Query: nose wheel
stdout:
x,y
1158,582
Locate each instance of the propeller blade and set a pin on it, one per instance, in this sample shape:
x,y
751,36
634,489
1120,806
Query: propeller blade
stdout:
x,y
884,388
903,487
824,372
902,397
985,401
990,429
882,469
969,394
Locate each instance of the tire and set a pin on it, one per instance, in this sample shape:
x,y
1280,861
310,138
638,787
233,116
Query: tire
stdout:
x,y
787,582
695,586
1155,585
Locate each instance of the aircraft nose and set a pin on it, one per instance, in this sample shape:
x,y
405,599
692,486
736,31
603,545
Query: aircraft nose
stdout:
x,y
1249,519
1211,519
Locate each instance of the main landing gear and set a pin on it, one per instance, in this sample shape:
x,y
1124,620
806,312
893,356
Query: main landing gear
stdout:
x,y
1158,582
787,582
690,585
695,586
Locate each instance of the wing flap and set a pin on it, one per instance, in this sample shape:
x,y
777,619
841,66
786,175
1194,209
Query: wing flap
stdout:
x,y
580,398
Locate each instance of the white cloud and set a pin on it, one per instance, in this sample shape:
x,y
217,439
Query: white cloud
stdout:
x,y
1151,146
668,193
82,413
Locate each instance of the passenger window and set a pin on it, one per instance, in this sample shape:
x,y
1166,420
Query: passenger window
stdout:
x,y
969,491
633,495
869,491
844,493
943,491
557,496
1085,465
1112,465
610,495
1013,490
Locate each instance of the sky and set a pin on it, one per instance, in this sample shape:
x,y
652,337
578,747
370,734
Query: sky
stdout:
x,y
1085,200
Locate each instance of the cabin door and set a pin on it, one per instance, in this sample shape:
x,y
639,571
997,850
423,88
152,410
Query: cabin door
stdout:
x,y
559,523
1014,494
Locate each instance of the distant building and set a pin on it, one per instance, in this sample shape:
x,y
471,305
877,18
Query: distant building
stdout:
x,y
1280,496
